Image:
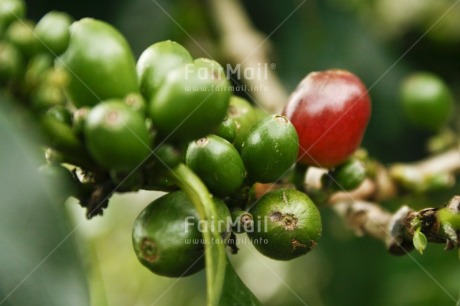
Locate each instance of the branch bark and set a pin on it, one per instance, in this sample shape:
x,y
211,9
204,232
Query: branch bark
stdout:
x,y
367,217
243,45
362,212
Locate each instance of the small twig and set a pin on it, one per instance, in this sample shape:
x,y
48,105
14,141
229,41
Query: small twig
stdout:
x,y
365,218
385,184
435,172
397,230
447,162
362,212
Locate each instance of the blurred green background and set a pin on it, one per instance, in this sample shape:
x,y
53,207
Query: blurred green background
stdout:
x,y
379,40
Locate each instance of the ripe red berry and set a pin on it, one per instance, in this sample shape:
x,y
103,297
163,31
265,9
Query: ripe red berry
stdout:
x,y
330,111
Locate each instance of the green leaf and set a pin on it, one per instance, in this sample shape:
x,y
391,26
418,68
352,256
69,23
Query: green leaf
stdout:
x,y
224,287
235,292
215,259
419,241
39,260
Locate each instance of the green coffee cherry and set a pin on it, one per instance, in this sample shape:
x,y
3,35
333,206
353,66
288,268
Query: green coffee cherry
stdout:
x,y
427,100
242,112
60,177
47,96
347,176
50,85
11,62
60,113
217,163
270,149
160,233
59,134
136,102
167,237
191,102
53,32
11,10
167,157
116,136
287,224
37,67
21,34
156,62
227,129
57,77
100,63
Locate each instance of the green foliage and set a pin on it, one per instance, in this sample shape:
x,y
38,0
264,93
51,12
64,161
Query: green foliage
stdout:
x,y
236,292
40,263
420,241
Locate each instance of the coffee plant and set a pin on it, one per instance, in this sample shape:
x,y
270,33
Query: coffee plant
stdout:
x,y
109,123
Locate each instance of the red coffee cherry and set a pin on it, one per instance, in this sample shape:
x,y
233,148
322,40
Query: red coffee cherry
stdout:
x,y
330,111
